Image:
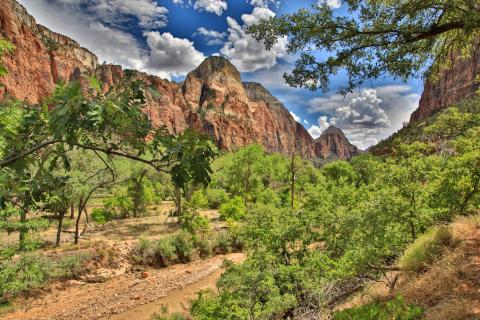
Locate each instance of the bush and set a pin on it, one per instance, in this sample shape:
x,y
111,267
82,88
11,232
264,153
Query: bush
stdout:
x,y
424,250
216,197
101,216
396,308
156,253
183,244
234,209
34,271
29,272
198,200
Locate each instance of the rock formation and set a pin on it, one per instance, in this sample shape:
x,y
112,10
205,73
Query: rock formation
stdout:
x,y
454,84
332,144
212,99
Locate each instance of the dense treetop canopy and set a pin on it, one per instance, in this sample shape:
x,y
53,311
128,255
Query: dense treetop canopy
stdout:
x,y
373,38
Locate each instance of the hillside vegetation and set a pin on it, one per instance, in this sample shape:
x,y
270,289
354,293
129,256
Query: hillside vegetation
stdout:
x,y
312,237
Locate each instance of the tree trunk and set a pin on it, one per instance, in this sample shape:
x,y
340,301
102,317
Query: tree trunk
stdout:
x,y
72,211
23,231
61,215
178,201
77,222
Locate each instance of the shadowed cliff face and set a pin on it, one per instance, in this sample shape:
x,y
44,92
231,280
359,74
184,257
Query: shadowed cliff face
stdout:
x,y
212,99
454,84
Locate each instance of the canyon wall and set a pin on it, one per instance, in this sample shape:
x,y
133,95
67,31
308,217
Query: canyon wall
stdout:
x,y
454,84
212,99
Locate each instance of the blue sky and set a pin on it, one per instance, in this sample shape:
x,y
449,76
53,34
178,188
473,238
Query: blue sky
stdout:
x,y
169,38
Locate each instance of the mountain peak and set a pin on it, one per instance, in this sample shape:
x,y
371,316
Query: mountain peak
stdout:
x,y
214,65
333,144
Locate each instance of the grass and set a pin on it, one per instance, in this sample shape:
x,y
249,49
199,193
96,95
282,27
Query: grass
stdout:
x,y
395,308
425,249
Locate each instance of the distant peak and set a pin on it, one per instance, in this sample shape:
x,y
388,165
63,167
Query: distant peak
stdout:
x,y
216,64
333,130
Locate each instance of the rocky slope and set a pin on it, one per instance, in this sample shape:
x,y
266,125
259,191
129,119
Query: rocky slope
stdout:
x,y
456,83
332,144
212,99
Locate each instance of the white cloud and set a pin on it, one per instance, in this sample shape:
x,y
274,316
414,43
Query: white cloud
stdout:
x,y
149,14
306,122
215,6
245,52
213,37
368,115
334,4
164,56
295,117
170,55
316,130
264,3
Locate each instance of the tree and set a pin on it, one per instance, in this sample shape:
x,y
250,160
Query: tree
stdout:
x,y
78,116
373,38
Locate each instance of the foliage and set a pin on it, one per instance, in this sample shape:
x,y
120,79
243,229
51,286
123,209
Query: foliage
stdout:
x,y
34,271
372,38
184,246
425,249
215,197
233,209
156,253
5,47
101,215
396,308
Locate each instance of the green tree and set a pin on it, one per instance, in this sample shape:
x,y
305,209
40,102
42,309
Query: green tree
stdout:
x,y
372,39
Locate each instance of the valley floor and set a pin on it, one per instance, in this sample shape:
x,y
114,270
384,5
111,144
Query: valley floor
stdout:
x,y
121,289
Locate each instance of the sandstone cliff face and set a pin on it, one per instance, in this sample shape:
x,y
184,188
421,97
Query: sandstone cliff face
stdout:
x,y
332,144
455,84
212,99
41,58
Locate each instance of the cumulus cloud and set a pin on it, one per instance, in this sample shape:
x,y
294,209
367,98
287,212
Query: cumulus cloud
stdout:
x,y
264,3
368,115
316,130
334,4
170,55
211,36
215,6
244,51
90,23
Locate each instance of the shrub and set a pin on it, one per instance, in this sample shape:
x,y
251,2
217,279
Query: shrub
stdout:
x,y
30,271
223,243
156,253
216,197
425,248
163,315
101,216
234,209
184,248
198,200
396,308
204,245
33,271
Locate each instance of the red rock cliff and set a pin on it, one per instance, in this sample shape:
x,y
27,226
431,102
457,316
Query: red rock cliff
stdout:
x,y
212,99
456,83
332,144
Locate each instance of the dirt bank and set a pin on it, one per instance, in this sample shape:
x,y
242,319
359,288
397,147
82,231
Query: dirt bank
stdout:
x,y
172,286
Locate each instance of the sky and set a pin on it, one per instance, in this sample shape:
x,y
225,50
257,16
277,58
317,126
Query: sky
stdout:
x,y
169,38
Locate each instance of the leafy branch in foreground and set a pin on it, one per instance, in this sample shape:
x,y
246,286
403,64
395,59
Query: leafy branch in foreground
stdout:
x,y
374,38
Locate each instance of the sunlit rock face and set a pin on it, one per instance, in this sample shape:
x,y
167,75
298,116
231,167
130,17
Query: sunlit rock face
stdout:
x,y
212,99
454,84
